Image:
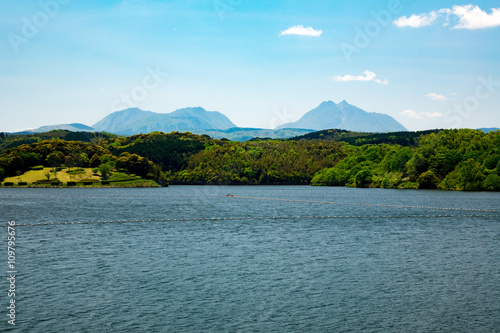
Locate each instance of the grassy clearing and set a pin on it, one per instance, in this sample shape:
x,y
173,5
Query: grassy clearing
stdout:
x,y
36,175
117,179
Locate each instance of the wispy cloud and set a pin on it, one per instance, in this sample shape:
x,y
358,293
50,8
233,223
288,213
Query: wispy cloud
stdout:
x,y
436,97
369,76
421,115
301,31
417,21
470,17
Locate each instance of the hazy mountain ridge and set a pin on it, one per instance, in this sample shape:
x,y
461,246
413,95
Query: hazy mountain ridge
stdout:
x,y
245,134
74,127
135,121
489,129
327,115
343,115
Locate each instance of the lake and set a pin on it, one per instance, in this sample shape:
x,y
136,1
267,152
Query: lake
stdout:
x,y
252,258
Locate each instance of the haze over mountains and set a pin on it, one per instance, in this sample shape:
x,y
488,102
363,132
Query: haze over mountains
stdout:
x,y
327,115
345,116
134,121
75,127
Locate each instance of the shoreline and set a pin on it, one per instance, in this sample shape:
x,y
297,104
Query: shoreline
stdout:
x,y
156,185
147,184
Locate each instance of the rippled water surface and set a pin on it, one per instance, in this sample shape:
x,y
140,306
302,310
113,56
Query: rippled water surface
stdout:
x,y
235,263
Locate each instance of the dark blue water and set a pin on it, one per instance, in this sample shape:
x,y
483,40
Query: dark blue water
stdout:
x,y
264,274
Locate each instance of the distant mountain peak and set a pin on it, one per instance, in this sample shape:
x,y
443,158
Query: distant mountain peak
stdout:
x,y
343,115
189,111
132,110
192,108
134,120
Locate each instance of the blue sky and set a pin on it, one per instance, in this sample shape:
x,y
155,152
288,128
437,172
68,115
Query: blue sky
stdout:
x,y
261,63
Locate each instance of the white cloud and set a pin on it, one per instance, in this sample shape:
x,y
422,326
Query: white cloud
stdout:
x,y
470,17
436,97
420,115
301,31
417,21
369,76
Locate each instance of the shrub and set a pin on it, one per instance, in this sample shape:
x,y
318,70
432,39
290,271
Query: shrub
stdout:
x,y
105,170
71,183
408,185
386,183
104,182
88,180
22,183
428,180
37,167
492,182
88,183
121,177
8,184
76,172
54,183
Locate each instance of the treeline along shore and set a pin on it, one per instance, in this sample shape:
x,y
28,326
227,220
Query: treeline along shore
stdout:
x,y
463,160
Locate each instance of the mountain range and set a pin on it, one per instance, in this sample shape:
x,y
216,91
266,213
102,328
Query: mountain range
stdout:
x,y
327,115
134,121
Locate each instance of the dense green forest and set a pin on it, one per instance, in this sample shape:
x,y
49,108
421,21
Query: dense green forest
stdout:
x,y
260,162
406,139
170,151
445,159
11,141
449,160
189,158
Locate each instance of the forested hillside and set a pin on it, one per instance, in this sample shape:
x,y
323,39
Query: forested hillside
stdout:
x,y
406,138
447,159
57,153
11,141
261,162
170,151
